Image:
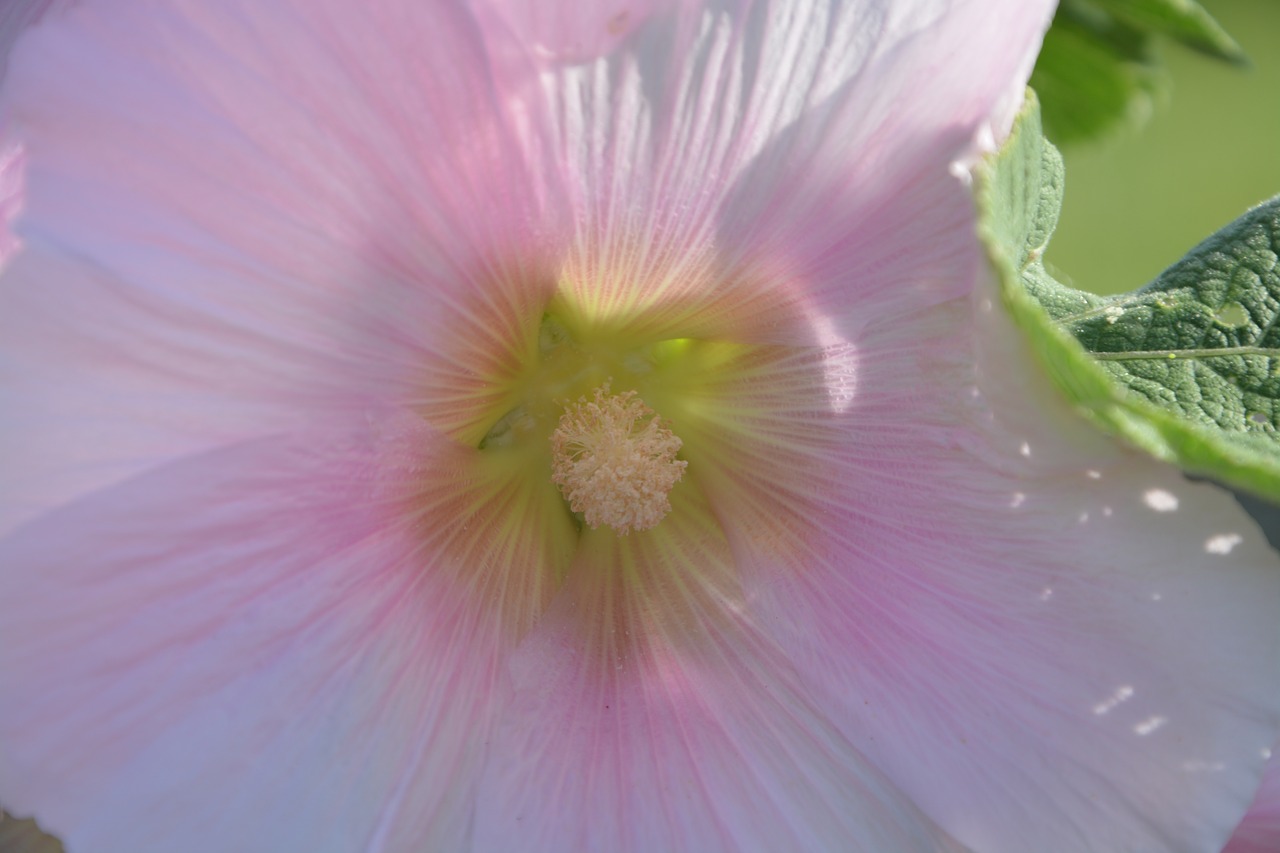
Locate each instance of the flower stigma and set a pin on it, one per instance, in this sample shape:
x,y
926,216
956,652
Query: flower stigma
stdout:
x,y
615,461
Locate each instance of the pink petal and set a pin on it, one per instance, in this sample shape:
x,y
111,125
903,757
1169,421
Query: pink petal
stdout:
x,y
868,573
261,648
1259,832
16,16
727,154
648,716
12,164
567,32
245,233
997,606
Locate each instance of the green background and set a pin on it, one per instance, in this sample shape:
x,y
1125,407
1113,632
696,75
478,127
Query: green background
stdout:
x,y
1138,200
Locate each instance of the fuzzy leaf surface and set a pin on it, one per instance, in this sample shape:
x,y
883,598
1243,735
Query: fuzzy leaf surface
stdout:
x,y
1188,367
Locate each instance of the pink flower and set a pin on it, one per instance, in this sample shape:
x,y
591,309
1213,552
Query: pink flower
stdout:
x,y
305,290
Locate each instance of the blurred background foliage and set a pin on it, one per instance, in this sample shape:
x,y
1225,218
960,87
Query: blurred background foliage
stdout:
x,y
1170,128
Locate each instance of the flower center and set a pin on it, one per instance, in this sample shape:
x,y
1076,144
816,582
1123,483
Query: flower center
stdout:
x,y
615,461
612,457
568,439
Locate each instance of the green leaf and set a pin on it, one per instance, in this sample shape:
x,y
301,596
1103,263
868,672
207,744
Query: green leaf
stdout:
x,y
25,836
1213,407
1095,73
1098,71
1183,20
1203,339
1093,76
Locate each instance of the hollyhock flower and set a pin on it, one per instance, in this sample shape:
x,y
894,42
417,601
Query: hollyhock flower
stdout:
x,y
494,426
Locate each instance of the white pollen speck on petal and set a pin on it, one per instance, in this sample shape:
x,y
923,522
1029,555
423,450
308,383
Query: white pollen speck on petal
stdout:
x,y
1017,500
1093,475
1150,725
1223,543
1160,500
1024,449
1123,693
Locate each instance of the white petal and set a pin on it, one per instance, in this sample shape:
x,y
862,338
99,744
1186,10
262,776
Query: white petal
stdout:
x,y
252,650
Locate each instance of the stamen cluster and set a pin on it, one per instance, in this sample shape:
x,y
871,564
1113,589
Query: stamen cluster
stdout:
x,y
615,461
